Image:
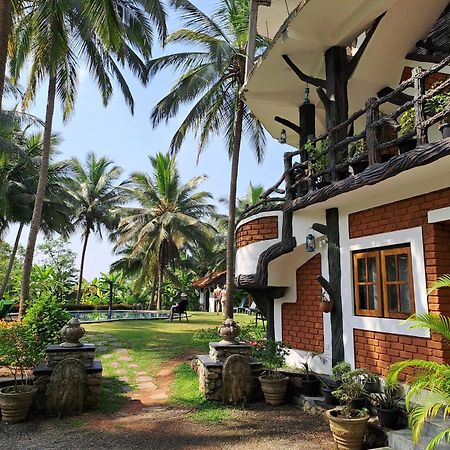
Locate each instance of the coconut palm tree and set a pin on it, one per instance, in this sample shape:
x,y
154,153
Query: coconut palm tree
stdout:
x,y
56,35
96,196
169,215
212,75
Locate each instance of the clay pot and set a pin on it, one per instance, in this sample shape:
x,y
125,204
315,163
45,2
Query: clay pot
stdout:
x,y
388,418
348,434
274,389
327,306
15,402
311,386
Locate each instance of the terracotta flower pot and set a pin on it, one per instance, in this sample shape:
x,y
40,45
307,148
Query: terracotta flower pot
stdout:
x,y
274,389
348,434
326,306
15,404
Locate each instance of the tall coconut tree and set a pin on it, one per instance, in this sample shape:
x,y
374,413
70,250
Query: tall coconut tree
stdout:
x,y
96,195
212,75
169,215
58,35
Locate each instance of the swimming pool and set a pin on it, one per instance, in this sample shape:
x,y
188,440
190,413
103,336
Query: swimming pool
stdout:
x,y
103,316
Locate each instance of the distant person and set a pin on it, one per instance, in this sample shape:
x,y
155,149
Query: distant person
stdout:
x,y
180,307
223,298
217,294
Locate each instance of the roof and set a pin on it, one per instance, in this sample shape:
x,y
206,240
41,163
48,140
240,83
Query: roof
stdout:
x,y
313,27
208,280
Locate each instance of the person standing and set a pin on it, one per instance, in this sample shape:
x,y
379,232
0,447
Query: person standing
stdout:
x,y
223,298
217,294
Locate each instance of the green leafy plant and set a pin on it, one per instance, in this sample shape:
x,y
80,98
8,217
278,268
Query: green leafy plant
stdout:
x,y
407,121
429,393
18,351
339,370
271,353
389,398
351,389
306,365
45,317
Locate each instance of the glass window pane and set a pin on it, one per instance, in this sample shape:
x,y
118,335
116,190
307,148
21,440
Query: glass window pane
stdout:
x,y
392,298
373,298
362,297
361,270
391,274
372,269
403,269
405,298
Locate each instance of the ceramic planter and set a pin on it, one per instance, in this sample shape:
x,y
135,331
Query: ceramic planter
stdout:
x,y
326,306
15,404
388,418
310,386
348,434
359,403
407,145
274,389
359,167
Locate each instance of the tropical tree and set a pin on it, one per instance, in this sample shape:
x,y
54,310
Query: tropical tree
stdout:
x,y
212,75
58,35
111,281
96,196
169,215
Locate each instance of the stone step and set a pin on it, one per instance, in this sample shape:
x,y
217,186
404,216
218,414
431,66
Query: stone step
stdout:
x,y
435,426
382,448
402,440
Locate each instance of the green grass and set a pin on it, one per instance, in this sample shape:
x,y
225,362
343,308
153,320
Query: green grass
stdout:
x,y
185,392
150,344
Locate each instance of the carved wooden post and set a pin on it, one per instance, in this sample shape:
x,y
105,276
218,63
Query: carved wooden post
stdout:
x,y
372,133
288,176
419,87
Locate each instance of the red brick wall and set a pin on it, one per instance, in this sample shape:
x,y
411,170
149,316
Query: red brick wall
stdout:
x,y
302,321
377,350
257,230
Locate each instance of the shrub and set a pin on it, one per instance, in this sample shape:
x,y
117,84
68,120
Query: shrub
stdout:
x,y
45,318
271,353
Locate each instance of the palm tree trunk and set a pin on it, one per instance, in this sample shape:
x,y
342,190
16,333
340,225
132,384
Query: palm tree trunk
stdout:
x,y
160,286
5,25
11,261
228,310
40,194
83,256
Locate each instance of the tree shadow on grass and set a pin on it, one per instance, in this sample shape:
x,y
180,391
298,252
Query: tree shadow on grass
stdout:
x,y
113,394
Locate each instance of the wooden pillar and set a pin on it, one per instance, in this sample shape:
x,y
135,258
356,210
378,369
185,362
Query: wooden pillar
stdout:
x,y
334,267
372,133
419,118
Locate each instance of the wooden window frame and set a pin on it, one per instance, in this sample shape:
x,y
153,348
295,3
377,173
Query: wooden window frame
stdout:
x,y
381,282
385,283
356,283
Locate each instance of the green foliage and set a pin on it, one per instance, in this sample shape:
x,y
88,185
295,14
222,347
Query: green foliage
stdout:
x,y
389,398
429,392
271,353
13,285
308,358
18,349
339,370
350,390
45,318
249,333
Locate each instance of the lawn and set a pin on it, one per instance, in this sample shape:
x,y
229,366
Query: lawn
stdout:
x,y
130,350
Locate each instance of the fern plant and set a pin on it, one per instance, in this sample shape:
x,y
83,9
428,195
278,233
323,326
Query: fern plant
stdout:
x,y
431,380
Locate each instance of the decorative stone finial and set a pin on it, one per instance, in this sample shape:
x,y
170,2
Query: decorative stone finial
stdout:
x,y
229,331
72,332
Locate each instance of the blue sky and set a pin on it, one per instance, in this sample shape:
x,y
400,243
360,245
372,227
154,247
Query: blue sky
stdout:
x,y
128,140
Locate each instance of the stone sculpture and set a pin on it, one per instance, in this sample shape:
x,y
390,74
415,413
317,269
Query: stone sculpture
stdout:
x,y
72,332
237,380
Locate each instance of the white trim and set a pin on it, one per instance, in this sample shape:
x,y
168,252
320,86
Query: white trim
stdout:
x,y
413,236
439,215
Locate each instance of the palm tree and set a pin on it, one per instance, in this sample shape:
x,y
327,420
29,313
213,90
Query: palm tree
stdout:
x,y
96,197
169,215
212,77
56,35
19,178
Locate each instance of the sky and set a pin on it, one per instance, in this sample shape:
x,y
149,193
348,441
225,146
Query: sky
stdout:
x,y
129,139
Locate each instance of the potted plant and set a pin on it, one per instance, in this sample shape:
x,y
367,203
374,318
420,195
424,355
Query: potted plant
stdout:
x,y
310,383
273,383
347,423
330,385
386,404
371,382
357,149
18,352
407,124
437,104
326,304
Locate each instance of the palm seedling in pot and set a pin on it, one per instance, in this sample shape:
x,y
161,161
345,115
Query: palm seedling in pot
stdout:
x,y
310,382
386,404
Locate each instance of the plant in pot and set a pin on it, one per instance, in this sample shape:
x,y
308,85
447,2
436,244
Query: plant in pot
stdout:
x,y
326,304
331,384
18,352
438,104
273,383
386,404
407,124
357,150
310,382
347,423
371,381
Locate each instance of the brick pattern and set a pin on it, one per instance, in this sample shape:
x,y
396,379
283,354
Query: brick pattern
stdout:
x,y
257,230
432,79
376,351
302,321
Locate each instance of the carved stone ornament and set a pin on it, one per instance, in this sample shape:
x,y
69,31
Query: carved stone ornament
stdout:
x,y
229,331
72,332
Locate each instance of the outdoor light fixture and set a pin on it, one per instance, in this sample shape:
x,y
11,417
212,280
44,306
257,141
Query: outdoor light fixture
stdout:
x,y
310,243
283,136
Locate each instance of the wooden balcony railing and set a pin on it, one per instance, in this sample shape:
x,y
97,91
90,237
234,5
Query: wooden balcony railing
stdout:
x,y
304,176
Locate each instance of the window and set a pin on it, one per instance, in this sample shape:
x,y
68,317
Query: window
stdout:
x,y
383,283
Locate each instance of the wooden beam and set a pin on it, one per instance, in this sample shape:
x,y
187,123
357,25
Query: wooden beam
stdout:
x,y
353,64
326,286
306,78
320,228
326,103
287,123
398,99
